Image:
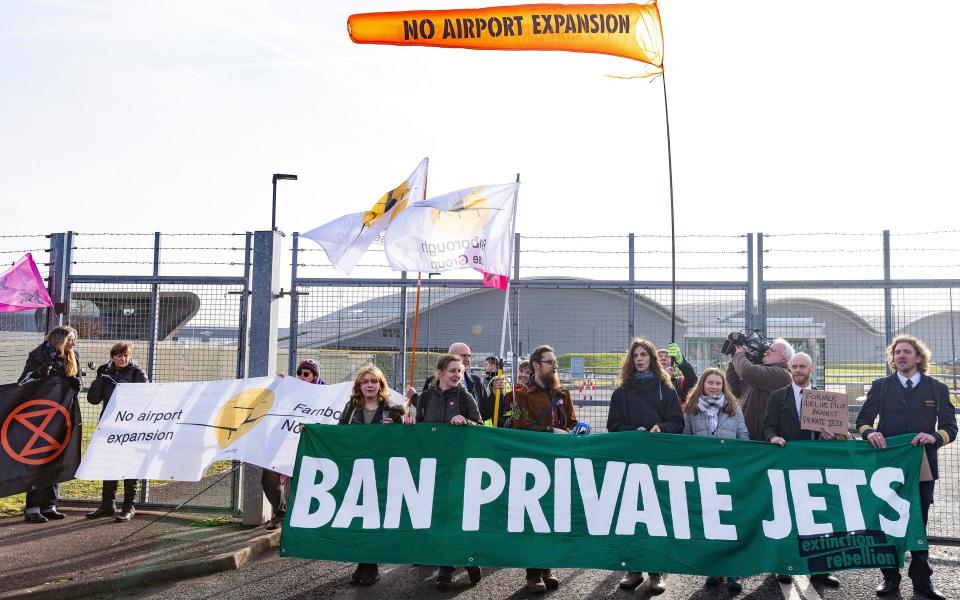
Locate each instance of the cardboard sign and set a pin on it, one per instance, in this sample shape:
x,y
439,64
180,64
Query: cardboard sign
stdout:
x,y
820,409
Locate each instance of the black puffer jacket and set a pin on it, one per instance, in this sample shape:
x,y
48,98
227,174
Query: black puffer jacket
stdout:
x,y
645,403
108,377
439,406
44,361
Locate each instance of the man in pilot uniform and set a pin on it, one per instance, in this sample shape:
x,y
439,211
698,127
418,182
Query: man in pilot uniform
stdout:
x,y
910,401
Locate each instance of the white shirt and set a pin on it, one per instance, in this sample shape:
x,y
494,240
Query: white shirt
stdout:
x,y
797,392
915,379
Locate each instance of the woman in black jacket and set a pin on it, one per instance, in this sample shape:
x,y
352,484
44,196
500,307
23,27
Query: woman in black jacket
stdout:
x,y
55,356
446,401
644,401
120,369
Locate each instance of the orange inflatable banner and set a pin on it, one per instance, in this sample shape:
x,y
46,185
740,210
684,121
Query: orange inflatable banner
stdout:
x,y
627,30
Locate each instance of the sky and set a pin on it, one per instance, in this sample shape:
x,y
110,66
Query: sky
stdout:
x,y
135,116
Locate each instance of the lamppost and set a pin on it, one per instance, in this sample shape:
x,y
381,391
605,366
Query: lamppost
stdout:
x,y
277,177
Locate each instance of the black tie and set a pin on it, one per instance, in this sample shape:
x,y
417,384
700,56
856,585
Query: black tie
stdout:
x,y
909,389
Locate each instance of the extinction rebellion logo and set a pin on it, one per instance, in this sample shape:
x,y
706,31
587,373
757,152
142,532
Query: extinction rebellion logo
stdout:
x,y
36,432
846,550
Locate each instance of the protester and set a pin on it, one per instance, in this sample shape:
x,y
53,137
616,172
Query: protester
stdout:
x,y
541,404
524,372
491,365
910,401
671,359
369,403
55,356
120,369
711,410
646,401
473,383
445,400
275,485
782,423
753,383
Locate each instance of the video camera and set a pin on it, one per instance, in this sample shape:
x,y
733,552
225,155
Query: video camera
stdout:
x,y
756,345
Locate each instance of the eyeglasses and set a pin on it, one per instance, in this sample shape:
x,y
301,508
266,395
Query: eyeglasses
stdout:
x,y
305,373
547,362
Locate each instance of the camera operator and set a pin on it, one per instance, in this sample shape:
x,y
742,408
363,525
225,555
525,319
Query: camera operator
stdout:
x,y
753,383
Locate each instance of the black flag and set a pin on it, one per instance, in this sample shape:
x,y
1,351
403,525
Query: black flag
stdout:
x,y
40,433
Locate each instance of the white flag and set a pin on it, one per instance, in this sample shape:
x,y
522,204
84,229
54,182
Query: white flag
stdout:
x,y
466,229
346,238
176,430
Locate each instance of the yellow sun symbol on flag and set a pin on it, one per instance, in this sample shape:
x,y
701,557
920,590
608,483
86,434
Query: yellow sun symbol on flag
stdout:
x,y
396,199
470,216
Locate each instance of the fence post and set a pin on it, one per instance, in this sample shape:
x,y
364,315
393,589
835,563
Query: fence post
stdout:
x,y
153,312
631,293
154,316
244,310
263,354
294,308
57,279
761,323
67,267
748,310
887,290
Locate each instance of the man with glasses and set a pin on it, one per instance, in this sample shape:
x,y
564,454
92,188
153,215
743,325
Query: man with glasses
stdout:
x,y
542,405
473,383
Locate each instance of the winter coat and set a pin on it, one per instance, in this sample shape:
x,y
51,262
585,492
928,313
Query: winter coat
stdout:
x,y
539,409
439,406
44,361
753,384
350,415
645,403
107,379
728,426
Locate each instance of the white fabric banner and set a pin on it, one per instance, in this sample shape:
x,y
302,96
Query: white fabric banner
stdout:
x,y
176,430
466,229
346,238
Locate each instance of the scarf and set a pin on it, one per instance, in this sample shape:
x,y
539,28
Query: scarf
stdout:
x,y
711,406
641,375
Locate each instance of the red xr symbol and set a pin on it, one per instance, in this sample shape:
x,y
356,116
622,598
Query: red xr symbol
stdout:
x,y
22,415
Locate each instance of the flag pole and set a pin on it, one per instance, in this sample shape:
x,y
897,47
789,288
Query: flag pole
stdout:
x,y
506,309
416,307
673,231
416,325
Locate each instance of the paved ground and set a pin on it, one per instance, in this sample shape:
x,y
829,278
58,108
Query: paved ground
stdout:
x,y
76,548
281,578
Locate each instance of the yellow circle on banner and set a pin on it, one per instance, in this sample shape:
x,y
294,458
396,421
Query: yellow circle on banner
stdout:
x,y
241,413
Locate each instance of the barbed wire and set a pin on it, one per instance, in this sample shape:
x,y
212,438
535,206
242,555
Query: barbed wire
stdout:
x,y
622,237
149,263
102,233
814,267
151,248
818,233
854,250
624,267
915,233
579,237
24,251
22,235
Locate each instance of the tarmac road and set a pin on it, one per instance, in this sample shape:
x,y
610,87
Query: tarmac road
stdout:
x,y
282,578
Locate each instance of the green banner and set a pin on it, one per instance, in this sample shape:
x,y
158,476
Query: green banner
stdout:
x,y
477,496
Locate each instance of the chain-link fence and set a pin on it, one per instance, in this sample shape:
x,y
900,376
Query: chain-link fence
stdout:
x,y
144,289
183,301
